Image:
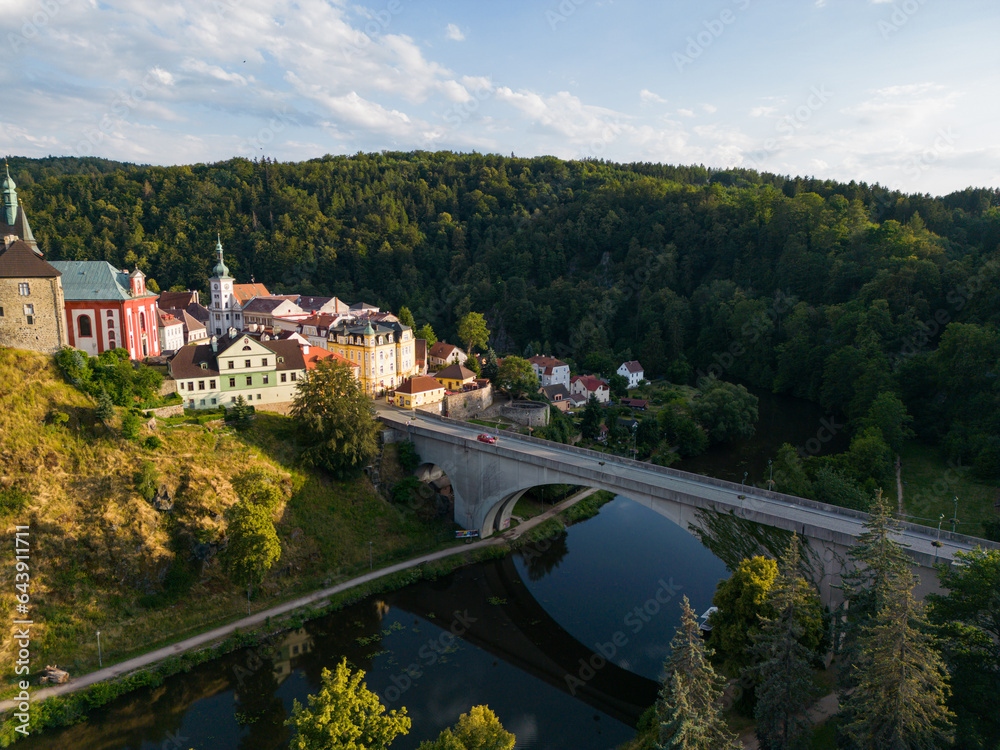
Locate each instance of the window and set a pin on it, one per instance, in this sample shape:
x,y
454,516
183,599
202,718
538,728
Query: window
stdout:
x,y
111,324
83,322
293,377
111,340
249,379
246,363
232,382
231,364
110,313
211,385
201,385
265,379
284,378
258,397
29,313
213,401
247,348
23,289
263,362
1,312
180,386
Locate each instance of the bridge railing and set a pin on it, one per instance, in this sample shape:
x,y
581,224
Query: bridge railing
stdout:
x,y
735,487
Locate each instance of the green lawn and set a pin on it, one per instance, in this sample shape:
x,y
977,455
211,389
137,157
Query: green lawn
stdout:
x,y
932,482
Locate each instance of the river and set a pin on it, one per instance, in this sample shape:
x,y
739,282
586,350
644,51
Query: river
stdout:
x,y
564,640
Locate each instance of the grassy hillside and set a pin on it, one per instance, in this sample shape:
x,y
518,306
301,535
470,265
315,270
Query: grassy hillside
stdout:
x,y
102,558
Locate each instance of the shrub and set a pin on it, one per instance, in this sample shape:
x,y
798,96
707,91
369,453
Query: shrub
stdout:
x,y
131,424
152,443
56,417
147,480
12,500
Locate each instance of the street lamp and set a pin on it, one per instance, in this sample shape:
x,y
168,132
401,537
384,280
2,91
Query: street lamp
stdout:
x,y
937,542
371,564
954,518
100,658
770,475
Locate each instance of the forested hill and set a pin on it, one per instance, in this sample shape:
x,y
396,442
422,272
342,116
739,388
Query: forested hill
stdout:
x,y
834,292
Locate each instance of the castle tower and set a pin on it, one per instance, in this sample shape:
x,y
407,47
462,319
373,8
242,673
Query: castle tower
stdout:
x,y
13,221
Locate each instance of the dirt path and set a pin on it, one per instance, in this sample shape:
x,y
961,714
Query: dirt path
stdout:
x,y
317,598
821,710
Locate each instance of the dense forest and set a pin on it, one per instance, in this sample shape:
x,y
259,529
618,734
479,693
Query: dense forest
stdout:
x,y
844,294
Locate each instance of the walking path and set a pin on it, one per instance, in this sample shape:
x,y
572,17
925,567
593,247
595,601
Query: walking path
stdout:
x,y
820,711
317,597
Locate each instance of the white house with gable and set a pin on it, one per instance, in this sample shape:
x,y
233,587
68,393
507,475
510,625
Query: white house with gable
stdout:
x,y
632,371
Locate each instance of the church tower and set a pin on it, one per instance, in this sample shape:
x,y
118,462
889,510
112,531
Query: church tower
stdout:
x,y
13,221
223,309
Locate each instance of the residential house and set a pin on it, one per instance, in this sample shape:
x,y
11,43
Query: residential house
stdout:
x,y
108,309
243,293
550,371
456,377
170,330
632,372
419,390
192,327
214,374
557,395
264,311
443,354
582,387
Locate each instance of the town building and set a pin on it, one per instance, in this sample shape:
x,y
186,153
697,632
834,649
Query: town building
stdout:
x,y
214,374
632,371
550,371
32,307
108,309
456,377
443,354
385,352
224,309
170,330
557,395
582,387
419,390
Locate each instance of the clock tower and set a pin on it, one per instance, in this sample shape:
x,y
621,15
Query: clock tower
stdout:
x,y
224,310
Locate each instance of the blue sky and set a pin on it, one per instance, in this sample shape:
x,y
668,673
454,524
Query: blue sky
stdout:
x,y
901,92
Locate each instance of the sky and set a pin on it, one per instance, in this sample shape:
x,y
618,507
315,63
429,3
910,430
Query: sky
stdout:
x,y
903,93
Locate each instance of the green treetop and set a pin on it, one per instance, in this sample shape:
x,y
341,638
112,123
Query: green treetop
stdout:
x,y
472,332
345,715
480,729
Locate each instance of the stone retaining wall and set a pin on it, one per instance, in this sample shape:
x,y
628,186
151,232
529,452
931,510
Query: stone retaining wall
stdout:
x,y
468,403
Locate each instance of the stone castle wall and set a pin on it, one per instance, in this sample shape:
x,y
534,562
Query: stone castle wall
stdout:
x,y
47,331
469,403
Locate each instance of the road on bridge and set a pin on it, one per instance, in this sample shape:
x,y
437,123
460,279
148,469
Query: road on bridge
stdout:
x,y
918,539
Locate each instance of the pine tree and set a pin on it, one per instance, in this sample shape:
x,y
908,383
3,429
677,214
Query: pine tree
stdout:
x,y
877,559
782,670
105,409
901,693
689,708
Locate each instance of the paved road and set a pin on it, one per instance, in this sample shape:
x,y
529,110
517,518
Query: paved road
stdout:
x,y
919,539
317,598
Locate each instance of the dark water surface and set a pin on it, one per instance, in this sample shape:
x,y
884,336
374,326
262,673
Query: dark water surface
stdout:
x,y
518,634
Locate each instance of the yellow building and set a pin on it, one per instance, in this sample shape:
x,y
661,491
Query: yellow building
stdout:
x,y
455,377
419,391
384,353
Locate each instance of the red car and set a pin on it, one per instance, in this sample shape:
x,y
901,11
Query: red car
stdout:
x,y
484,438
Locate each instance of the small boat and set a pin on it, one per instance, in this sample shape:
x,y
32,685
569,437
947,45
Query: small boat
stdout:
x,y
705,627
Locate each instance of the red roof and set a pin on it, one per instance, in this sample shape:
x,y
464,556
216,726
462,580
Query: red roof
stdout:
x,y
441,350
541,361
419,384
633,366
589,382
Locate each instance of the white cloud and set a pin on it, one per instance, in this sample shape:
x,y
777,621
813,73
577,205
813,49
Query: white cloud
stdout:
x,y
763,111
454,33
710,108
648,97
685,113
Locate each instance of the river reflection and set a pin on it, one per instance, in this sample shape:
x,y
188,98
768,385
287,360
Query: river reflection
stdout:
x,y
518,634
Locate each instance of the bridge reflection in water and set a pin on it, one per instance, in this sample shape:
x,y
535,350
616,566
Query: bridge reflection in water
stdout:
x,y
501,617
